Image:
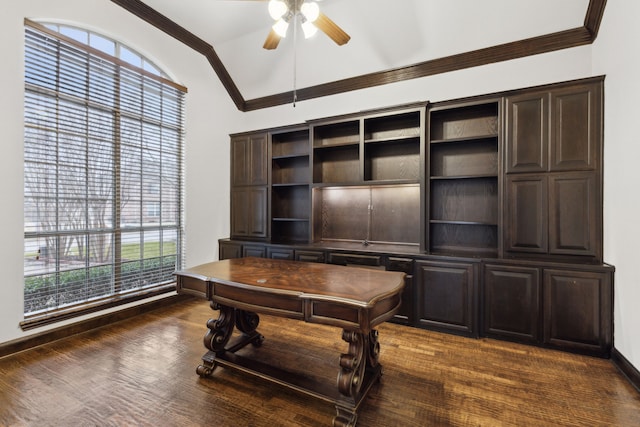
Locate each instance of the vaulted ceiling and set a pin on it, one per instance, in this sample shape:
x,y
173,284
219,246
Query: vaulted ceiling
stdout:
x,y
391,40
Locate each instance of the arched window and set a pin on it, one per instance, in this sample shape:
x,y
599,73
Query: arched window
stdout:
x,y
103,174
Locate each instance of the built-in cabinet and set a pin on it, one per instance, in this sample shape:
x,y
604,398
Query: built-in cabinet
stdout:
x,y
445,296
290,179
491,206
554,172
249,186
367,177
464,185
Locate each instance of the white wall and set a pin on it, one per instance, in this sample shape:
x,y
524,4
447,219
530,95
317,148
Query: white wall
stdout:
x,y
211,116
616,55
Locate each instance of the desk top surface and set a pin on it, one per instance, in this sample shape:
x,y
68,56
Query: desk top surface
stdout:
x,y
357,286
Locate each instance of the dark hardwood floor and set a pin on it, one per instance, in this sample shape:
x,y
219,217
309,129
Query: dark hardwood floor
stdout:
x,y
142,372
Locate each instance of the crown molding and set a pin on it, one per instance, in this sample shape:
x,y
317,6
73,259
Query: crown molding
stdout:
x,y
532,46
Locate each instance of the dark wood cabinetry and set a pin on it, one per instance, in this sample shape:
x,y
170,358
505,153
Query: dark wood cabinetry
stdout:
x,y
577,310
367,175
249,159
445,294
249,185
464,165
249,211
512,301
290,179
554,180
491,206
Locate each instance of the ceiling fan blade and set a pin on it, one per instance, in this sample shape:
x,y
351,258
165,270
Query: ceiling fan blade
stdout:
x,y
272,40
331,29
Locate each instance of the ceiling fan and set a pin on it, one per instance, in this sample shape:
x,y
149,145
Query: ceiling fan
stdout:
x,y
308,14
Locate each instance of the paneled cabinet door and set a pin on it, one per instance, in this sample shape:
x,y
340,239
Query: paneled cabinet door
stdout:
x,y
527,132
558,130
574,220
249,164
526,216
511,302
249,212
229,250
446,295
576,128
578,310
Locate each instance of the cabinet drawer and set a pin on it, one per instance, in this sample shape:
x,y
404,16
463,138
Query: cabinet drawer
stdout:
x,y
400,264
309,256
356,259
280,253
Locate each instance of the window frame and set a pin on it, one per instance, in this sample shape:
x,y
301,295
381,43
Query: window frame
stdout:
x,y
117,229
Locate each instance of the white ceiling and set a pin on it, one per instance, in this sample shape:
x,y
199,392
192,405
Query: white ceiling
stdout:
x,y
385,34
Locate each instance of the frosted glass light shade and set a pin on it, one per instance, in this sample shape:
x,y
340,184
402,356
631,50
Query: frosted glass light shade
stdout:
x,y
277,8
310,10
280,27
309,29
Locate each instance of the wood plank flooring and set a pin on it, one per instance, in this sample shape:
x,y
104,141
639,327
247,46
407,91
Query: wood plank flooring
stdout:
x,y
141,372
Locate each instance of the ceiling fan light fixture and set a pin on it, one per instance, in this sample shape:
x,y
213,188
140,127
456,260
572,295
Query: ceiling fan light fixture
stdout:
x,y
310,11
277,8
280,27
309,29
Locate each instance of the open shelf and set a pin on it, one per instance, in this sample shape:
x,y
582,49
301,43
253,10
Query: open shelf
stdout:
x,y
393,127
473,200
290,230
397,159
467,239
290,179
472,121
336,134
476,157
464,165
337,164
288,170
289,144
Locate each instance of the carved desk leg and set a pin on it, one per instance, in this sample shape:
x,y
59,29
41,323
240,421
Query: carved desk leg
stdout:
x,y
359,368
220,332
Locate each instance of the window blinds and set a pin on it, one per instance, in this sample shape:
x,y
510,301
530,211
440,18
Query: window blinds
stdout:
x,y
103,177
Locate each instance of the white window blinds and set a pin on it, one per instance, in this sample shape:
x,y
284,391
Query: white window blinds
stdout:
x,y
103,177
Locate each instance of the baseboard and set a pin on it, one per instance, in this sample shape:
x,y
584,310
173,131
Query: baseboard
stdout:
x,y
627,369
46,337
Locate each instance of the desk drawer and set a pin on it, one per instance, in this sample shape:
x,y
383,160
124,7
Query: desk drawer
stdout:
x,y
257,301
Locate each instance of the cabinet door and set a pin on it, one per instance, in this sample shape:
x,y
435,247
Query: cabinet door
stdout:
x,y
512,302
445,294
405,314
574,214
527,132
280,253
254,251
576,128
229,250
249,160
578,310
249,212
526,214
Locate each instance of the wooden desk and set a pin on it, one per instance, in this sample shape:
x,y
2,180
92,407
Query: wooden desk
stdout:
x,y
354,299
